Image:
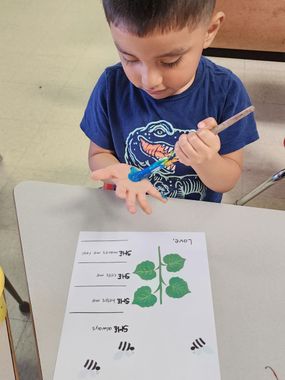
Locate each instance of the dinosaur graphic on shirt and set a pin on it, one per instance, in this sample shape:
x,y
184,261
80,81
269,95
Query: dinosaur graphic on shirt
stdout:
x,y
156,140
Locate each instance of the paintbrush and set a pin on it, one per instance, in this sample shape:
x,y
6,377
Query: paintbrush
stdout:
x,y
137,175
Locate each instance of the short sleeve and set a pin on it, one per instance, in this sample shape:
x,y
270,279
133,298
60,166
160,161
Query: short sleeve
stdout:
x,y
95,122
244,131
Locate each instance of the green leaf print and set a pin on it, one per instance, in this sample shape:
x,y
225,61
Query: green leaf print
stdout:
x,y
174,262
177,288
143,297
146,270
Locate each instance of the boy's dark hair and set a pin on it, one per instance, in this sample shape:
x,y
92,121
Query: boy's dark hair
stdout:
x,y
142,17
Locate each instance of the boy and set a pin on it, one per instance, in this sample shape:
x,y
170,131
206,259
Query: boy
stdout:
x,y
144,107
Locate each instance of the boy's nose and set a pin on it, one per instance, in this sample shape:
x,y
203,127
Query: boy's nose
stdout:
x,y
151,79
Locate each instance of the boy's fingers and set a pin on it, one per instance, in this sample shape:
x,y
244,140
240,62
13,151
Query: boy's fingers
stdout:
x,y
131,202
208,123
185,144
185,152
156,194
145,206
208,137
102,174
195,143
121,192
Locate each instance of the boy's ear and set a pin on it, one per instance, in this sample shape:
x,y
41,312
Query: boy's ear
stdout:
x,y
213,28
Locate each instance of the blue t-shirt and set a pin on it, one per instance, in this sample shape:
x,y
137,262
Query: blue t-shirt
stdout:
x,y
140,130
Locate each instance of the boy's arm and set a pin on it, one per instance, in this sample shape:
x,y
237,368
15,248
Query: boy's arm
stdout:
x,y
100,158
222,172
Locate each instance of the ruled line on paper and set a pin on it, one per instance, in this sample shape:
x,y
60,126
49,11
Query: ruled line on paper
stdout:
x,y
96,312
91,241
100,286
102,262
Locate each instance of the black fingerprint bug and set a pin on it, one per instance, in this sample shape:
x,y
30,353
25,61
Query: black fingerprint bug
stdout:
x,y
197,344
91,365
125,346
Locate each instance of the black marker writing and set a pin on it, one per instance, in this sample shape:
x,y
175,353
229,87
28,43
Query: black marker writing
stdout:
x,y
123,276
121,329
123,300
125,253
182,241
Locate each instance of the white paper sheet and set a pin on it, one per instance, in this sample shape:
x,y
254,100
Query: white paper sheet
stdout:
x,y
139,308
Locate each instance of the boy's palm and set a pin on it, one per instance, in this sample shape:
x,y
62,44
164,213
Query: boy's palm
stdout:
x,y
132,192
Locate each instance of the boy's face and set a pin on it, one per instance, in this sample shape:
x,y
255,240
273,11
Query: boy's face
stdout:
x,y
161,64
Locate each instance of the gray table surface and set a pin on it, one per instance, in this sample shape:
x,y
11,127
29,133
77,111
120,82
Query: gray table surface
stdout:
x,y
246,249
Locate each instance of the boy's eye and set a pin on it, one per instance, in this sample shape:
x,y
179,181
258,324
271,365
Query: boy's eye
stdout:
x,y
172,64
129,60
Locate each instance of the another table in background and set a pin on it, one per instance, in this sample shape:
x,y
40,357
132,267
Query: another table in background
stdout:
x,y
252,30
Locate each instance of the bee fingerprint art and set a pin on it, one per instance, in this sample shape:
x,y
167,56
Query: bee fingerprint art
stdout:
x,y
197,344
125,346
91,365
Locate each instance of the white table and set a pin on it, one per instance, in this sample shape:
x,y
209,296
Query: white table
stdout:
x,y
246,257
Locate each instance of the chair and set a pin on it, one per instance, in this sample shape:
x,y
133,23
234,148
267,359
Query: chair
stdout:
x,y
23,305
8,368
260,188
3,309
263,186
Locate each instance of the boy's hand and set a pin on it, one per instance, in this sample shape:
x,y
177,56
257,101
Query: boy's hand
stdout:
x,y
132,192
196,148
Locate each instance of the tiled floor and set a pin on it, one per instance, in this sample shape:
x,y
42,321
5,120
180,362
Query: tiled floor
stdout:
x,y
51,55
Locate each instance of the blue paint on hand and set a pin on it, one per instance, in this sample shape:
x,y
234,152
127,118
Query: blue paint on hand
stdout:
x,y
137,175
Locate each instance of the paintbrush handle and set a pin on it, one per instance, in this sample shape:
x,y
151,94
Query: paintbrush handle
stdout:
x,y
227,123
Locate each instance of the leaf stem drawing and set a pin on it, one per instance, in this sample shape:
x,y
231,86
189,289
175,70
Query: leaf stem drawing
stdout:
x,y
160,289
146,270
